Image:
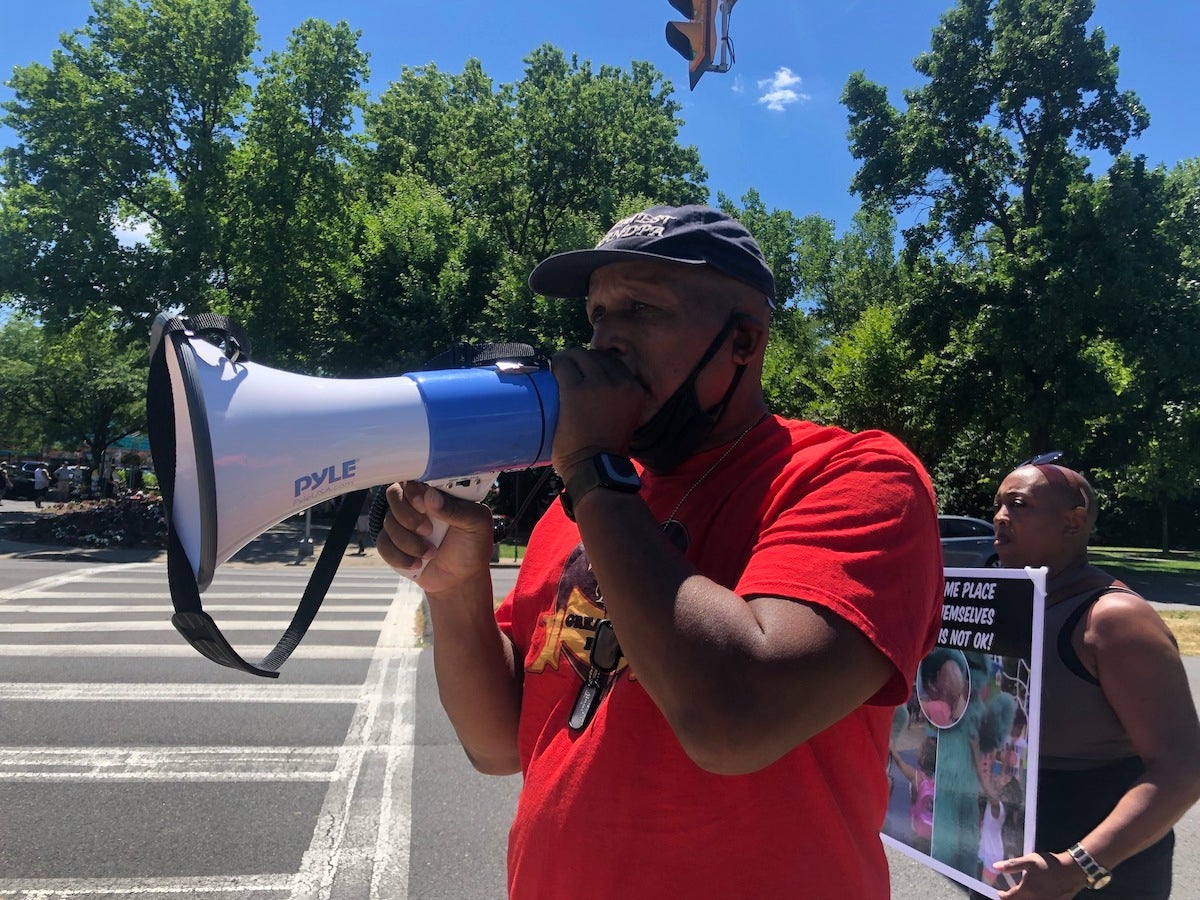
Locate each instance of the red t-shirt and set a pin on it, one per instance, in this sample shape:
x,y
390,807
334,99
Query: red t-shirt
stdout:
x,y
618,809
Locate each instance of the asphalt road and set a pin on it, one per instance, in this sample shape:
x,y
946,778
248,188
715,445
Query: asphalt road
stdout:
x,y
130,766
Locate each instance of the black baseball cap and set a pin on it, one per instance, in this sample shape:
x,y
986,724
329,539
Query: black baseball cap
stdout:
x,y
693,235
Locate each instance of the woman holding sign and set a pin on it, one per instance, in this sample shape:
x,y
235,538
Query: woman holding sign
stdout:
x,y
1120,740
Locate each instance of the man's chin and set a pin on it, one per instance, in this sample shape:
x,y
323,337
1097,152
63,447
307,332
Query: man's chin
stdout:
x,y
1013,560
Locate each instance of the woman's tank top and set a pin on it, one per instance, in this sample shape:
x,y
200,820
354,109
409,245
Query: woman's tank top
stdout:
x,y
1079,728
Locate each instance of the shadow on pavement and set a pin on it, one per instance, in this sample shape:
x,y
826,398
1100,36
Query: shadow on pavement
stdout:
x,y
278,545
1160,588
281,544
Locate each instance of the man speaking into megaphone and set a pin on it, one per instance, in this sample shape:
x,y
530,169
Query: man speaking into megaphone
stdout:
x,y
696,669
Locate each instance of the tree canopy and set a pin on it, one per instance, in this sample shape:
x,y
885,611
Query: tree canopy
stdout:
x,y
1038,290
83,387
1044,294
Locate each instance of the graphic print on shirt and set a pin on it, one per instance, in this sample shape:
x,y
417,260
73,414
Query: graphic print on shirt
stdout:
x,y
567,632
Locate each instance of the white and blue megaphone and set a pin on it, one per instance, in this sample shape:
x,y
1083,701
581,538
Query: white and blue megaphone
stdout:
x,y
239,447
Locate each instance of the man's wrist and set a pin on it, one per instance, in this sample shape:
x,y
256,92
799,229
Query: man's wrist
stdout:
x,y
473,596
610,471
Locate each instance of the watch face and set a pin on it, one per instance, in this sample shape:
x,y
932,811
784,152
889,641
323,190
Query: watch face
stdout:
x,y
618,470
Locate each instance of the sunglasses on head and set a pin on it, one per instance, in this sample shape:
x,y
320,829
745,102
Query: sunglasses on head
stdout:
x,y
1055,474
1043,459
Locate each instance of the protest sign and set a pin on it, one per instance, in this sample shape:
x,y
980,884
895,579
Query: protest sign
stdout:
x,y
962,761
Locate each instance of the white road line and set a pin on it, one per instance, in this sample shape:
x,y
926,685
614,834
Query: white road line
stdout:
x,y
360,845
153,573
169,764
260,691
164,625
52,581
48,888
180,649
28,593
374,727
393,832
158,607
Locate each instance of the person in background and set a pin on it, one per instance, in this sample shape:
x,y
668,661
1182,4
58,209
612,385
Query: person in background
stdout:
x,y
362,523
1119,756
1002,804
922,788
696,669
945,687
1016,748
41,484
5,481
62,475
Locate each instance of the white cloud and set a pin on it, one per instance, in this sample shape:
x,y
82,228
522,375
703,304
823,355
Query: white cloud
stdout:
x,y
780,90
739,85
131,232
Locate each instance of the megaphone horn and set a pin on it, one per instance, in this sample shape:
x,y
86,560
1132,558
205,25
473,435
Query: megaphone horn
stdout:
x,y
239,447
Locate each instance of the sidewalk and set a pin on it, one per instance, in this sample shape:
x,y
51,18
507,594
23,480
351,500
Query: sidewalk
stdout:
x,y
278,546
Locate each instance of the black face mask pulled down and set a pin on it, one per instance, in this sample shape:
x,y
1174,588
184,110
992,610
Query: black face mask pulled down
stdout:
x,y
676,431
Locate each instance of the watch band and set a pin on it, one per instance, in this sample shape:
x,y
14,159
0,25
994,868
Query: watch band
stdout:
x,y
1096,874
606,470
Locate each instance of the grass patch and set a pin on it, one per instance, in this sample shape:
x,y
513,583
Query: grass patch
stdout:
x,y
1186,628
510,552
1134,559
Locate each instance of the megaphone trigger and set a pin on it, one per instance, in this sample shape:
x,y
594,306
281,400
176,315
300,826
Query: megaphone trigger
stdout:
x,y
474,488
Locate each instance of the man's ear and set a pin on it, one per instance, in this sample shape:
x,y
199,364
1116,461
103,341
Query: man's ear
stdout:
x,y
749,338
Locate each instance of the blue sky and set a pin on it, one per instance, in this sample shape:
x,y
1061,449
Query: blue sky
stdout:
x,y
773,122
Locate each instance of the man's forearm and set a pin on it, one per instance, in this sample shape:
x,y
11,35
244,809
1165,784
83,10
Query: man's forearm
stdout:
x,y
740,682
477,677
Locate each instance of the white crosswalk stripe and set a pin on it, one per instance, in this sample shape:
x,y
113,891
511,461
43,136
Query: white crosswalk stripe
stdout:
x,y
359,845
164,626
170,764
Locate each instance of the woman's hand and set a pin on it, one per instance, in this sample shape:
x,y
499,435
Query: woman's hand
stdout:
x,y
1046,876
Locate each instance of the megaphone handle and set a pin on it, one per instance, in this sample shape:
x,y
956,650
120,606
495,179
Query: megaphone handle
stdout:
x,y
473,488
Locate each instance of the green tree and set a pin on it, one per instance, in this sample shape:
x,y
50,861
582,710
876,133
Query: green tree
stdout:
x,y
82,387
291,180
791,361
1167,467
1160,422
20,354
541,165
132,121
425,281
1018,92
869,371
1034,276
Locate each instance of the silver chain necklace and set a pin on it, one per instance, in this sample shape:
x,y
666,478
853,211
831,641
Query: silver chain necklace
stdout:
x,y
713,467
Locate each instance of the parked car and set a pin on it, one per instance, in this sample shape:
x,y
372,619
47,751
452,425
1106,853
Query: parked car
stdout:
x,y
967,542
21,475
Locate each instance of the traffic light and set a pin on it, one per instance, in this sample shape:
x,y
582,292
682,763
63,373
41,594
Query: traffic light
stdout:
x,y
696,39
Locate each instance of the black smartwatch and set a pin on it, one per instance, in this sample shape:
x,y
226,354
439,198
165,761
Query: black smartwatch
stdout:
x,y
606,470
